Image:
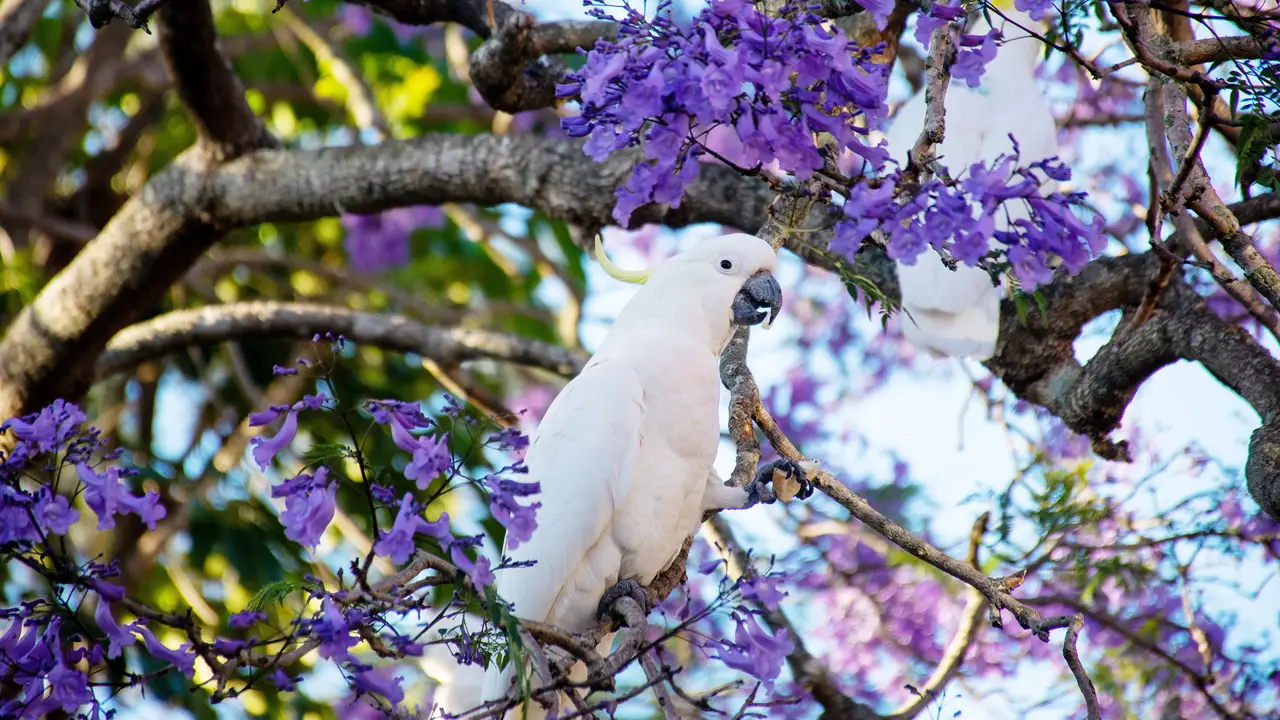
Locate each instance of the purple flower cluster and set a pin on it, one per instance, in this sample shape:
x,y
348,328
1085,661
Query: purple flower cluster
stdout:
x,y
309,506
32,658
381,241
30,513
431,457
265,449
519,520
752,90
973,52
398,542
755,651
771,82
960,219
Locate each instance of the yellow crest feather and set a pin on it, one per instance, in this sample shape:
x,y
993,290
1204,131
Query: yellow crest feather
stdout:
x,y
635,277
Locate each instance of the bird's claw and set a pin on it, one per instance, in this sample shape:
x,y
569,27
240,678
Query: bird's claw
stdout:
x,y
758,491
624,588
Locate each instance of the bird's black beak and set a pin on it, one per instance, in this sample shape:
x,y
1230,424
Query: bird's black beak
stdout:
x,y
759,298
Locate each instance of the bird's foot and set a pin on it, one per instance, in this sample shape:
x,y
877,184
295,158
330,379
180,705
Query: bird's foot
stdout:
x,y
625,588
758,490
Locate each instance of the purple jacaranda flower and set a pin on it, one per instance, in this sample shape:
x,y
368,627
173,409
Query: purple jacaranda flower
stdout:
x,y
182,658
478,571
1034,8
68,687
246,619
764,589
358,19
282,680
879,10
118,638
939,14
398,542
511,439
15,517
54,513
755,651
107,497
719,90
48,430
380,241
258,419
731,66
265,449
110,591
519,520
334,632
310,502
431,457
375,681
971,64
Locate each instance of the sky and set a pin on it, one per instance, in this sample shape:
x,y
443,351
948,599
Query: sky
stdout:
x,y
924,418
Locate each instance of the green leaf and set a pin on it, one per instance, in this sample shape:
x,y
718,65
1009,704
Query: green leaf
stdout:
x,y
275,594
1021,304
326,454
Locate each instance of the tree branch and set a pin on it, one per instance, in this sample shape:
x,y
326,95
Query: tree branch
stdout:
x,y
496,66
225,124
965,635
49,349
1239,47
219,323
517,67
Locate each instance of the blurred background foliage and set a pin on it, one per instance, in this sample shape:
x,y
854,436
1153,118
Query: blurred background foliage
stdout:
x,y
85,120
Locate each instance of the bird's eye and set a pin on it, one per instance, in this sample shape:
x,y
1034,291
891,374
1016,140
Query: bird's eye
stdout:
x,y
726,264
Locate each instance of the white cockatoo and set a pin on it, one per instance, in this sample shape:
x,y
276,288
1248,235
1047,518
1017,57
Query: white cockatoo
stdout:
x,y
624,454
957,313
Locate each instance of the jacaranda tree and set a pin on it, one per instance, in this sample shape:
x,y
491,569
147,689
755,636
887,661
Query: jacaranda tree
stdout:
x,y
286,288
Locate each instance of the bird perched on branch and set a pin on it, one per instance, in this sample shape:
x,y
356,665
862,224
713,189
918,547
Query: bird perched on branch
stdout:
x,y
957,313
624,454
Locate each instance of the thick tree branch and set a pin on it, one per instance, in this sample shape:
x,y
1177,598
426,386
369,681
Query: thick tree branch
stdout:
x,y
1208,50
57,137
937,79
225,124
159,234
551,176
522,43
219,323
517,67
1189,236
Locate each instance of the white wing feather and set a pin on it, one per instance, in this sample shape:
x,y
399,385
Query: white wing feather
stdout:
x,y
583,455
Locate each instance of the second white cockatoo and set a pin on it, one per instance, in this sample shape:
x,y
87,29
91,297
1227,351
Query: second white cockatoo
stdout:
x,y
957,313
624,454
